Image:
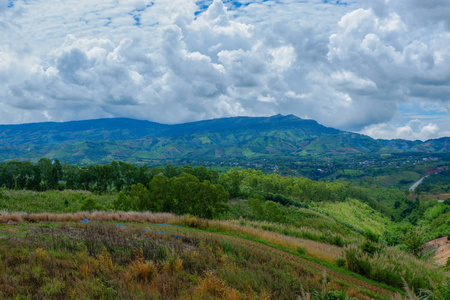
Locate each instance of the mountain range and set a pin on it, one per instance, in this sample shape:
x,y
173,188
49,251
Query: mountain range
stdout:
x,y
137,141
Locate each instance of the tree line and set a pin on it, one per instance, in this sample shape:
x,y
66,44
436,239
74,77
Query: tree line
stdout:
x,y
51,175
186,189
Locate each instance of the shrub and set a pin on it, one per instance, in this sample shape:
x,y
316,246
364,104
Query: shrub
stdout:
x,y
358,261
414,242
370,247
389,265
340,262
122,203
89,204
372,236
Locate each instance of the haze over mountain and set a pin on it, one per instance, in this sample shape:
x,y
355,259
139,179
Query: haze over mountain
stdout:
x,y
135,141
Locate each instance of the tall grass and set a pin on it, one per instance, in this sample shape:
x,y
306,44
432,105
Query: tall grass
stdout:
x,y
355,214
312,248
136,217
96,261
393,266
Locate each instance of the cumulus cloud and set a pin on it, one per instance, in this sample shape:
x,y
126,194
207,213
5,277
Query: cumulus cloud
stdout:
x,y
347,66
413,130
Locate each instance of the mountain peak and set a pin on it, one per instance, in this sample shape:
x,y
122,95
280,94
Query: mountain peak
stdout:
x,y
134,141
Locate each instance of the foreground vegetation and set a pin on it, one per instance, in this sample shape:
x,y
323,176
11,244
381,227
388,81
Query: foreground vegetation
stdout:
x,y
55,260
273,239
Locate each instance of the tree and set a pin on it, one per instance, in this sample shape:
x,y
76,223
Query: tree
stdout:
x,y
255,204
89,204
273,212
231,181
211,200
57,173
185,189
71,176
414,241
49,177
139,197
122,203
159,194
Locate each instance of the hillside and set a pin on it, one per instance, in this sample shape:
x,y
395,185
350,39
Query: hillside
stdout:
x,y
155,257
134,141
125,232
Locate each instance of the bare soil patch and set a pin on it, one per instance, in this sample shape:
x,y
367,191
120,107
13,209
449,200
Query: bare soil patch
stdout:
x,y
442,246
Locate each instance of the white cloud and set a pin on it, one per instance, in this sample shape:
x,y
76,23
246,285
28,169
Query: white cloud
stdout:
x,y
349,81
413,130
348,66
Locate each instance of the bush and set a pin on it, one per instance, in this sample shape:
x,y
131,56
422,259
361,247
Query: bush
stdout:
x,y
358,262
389,265
122,202
370,247
89,204
370,235
413,241
340,262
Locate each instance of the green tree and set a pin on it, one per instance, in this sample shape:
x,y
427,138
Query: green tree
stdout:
x,y
231,181
185,189
211,200
413,241
159,194
47,174
89,204
273,212
139,197
122,203
255,204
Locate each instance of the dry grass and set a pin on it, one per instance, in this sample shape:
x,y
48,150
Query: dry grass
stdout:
x,y
99,216
315,249
312,248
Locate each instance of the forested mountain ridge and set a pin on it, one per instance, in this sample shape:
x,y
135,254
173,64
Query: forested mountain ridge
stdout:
x,y
104,140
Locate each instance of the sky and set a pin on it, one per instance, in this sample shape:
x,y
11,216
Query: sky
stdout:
x,y
377,67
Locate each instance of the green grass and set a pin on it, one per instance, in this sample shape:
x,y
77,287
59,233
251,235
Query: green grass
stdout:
x,y
399,179
52,201
354,213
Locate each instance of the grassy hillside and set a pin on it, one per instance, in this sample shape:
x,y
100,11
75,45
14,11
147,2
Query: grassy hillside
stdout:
x,y
61,260
190,232
356,214
134,141
63,256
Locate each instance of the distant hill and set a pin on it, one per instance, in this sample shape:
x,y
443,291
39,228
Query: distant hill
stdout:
x,y
135,141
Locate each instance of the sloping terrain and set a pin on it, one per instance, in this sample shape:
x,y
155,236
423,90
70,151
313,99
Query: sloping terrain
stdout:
x,y
441,246
122,260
